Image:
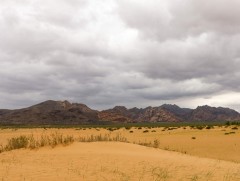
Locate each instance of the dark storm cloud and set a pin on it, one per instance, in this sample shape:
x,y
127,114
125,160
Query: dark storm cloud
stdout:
x,y
109,52
190,39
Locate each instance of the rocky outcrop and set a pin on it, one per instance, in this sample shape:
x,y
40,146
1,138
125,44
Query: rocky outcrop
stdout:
x,y
169,113
149,114
207,113
117,114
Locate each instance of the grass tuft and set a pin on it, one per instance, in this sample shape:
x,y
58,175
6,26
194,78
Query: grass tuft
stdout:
x,y
30,142
17,143
100,137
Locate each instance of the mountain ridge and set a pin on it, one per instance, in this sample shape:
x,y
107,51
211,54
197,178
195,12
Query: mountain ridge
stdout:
x,y
64,112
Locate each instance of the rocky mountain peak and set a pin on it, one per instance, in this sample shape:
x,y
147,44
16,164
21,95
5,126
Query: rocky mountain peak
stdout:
x,y
64,112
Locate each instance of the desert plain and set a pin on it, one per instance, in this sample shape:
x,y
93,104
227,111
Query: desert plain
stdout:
x,y
141,153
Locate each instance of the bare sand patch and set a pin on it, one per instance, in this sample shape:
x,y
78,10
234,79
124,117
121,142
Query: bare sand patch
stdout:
x,y
111,161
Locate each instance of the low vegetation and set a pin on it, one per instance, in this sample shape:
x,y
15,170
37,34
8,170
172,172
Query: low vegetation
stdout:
x,y
24,141
139,125
229,123
52,140
154,144
232,132
100,137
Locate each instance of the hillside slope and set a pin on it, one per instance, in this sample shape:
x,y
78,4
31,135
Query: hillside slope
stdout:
x,y
50,112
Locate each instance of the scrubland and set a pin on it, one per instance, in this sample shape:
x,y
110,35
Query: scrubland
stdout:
x,y
129,153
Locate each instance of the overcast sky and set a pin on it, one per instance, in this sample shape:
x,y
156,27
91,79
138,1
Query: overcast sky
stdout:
x,y
120,52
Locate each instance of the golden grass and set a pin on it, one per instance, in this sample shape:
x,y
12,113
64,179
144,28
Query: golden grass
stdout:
x,y
218,143
93,157
29,141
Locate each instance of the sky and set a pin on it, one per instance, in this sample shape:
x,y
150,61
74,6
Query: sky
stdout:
x,y
135,53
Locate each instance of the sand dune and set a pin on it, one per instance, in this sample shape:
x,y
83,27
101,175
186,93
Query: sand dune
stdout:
x,y
209,143
111,161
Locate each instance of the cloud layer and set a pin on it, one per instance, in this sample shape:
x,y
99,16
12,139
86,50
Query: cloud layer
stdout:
x,y
132,53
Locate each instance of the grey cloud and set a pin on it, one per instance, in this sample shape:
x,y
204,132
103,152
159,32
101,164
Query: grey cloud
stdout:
x,y
177,20
105,53
194,39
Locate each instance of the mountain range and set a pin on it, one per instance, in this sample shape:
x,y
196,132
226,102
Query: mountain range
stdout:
x,y
66,113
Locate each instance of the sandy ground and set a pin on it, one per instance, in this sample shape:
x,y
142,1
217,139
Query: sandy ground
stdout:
x,y
111,161
211,143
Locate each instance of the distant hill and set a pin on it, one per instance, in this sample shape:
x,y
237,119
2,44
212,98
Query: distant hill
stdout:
x,y
66,113
169,113
50,112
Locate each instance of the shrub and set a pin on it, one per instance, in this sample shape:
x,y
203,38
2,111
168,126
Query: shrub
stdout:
x,y
44,141
130,131
17,143
228,123
1,148
145,131
148,144
153,130
32,143
193,138
110,129
209,127
106,137
68,140
156,143
229,133
235,128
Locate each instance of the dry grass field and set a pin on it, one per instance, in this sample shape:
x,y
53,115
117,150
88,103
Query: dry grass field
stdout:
x,y
168,154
